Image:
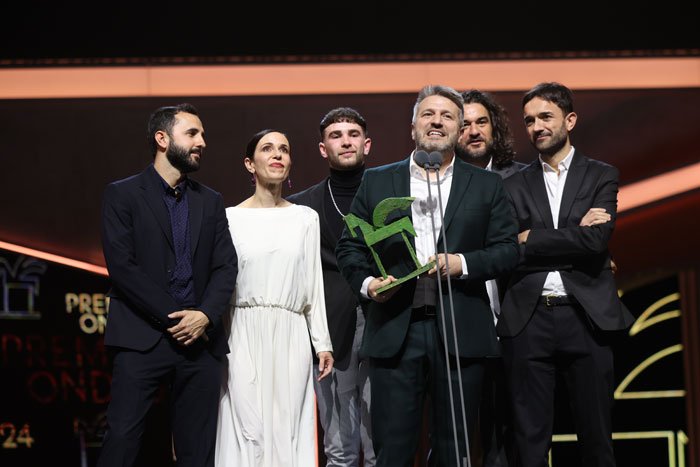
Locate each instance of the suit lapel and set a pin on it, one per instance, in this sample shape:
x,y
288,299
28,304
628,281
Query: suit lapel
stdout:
x,y
535,181
577,172
153,194
460,181
402,188
506,171
196,207
319,200
402,179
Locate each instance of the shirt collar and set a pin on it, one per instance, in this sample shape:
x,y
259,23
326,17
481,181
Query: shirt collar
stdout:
x,y
179,188
418,172
563,165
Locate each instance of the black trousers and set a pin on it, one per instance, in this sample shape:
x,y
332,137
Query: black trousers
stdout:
x,y
194,376
399,387
496,418
561,339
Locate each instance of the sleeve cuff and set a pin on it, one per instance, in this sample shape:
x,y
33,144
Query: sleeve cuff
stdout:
x,y
465,272
365,287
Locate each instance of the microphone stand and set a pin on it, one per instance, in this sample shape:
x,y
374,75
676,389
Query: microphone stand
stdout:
x,y
433,162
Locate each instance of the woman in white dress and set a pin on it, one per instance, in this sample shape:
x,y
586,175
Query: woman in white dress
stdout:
x,y
267,410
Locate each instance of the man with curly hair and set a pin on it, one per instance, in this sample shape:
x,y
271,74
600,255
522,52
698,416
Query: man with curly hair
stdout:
x,y
487,142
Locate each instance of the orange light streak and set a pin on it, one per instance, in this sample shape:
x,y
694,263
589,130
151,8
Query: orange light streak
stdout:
x,y
345,78
54,258
656,188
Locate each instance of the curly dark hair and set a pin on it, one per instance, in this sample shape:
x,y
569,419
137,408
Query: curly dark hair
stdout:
x,y
502,151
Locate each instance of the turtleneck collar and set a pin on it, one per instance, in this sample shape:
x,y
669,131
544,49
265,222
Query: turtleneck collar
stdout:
x,y
347,179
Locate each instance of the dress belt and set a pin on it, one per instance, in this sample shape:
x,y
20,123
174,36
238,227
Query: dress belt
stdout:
x,y
558,300
422,313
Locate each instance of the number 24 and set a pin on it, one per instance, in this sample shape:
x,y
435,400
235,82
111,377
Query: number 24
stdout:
x,y
23,437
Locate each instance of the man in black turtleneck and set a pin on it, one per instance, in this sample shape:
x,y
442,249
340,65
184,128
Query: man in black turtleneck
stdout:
x,y
343,399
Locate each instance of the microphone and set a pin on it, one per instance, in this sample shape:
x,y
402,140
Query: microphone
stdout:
x,y
421,158
431,161
435,160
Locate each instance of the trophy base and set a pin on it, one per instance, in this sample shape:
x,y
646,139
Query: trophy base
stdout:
x,y
403,279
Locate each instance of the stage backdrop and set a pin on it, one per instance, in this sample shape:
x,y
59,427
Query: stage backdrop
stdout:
x,y
54,371
60,153
55,374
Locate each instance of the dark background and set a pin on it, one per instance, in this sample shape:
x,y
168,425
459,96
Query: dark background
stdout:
x,y
33,31
58,154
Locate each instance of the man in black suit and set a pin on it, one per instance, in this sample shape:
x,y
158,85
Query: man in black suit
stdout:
x,y
405,338
173,269
561,307
343,399
486,141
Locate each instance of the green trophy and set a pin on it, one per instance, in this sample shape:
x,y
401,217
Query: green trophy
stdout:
x,y
378,231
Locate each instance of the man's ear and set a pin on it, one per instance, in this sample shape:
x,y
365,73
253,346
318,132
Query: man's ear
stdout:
x,y
162,139
322,150
367,146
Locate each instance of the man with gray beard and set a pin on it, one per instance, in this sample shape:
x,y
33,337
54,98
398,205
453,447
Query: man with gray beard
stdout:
x,y
409,345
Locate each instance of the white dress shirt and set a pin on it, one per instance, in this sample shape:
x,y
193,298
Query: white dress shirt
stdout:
x,y
420,211
491,285
554,183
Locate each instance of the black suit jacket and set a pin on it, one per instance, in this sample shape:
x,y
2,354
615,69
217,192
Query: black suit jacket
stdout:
x,y
580,254
138,248
341,302
478,224
505,172
510,169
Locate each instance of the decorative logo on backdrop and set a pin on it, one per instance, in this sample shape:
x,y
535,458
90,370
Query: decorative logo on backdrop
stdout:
x,y
20,287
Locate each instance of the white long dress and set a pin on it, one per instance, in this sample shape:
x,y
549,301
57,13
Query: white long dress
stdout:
x,y
267,412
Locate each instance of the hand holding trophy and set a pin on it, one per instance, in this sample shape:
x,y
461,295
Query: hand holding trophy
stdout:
x,y
377,231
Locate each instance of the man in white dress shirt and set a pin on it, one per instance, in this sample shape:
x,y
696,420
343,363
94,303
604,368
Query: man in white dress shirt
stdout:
x,y
561,311
412,351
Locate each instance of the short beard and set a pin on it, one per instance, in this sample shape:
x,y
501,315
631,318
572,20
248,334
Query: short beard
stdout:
x,y
558,142
181,159
468,156
432,146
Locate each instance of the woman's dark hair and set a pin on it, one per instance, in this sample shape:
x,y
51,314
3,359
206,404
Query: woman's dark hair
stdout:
x,y
253,143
